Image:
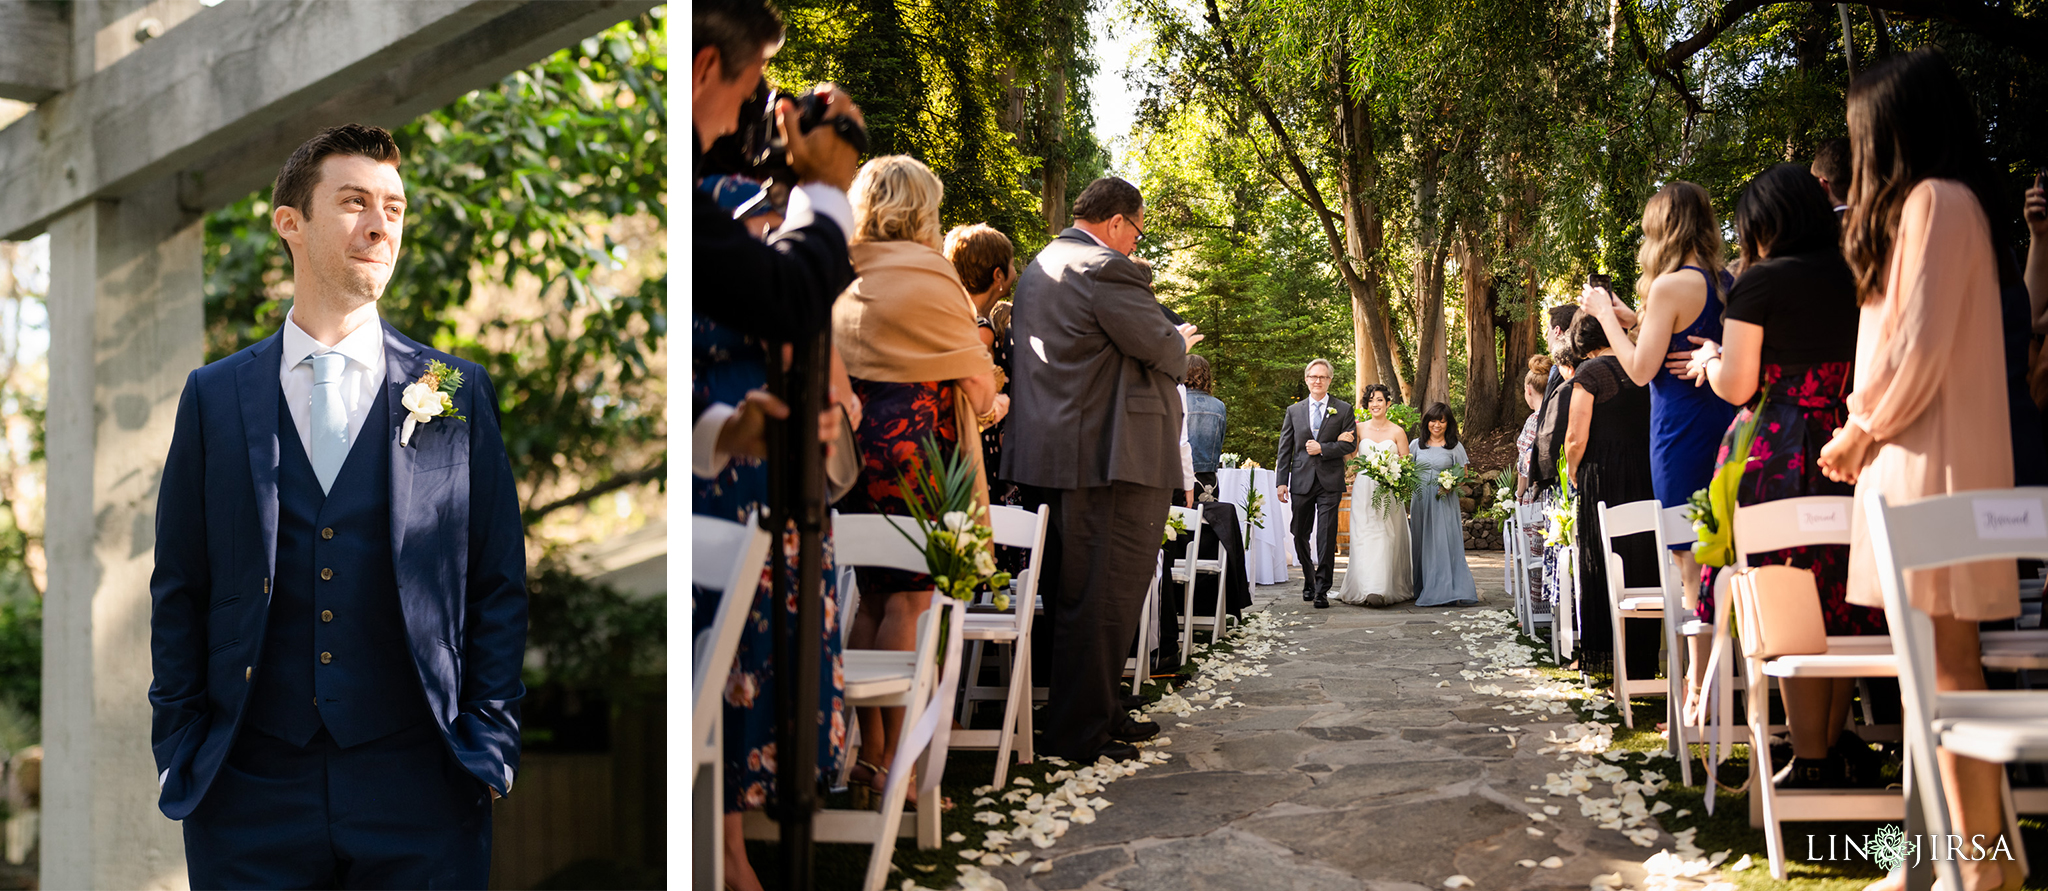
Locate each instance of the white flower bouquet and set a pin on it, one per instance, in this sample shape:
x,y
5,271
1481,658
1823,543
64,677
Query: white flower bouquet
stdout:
x,y
1502,506
958,549
1395,477
1229,460
1175,528
1254,509
1448,481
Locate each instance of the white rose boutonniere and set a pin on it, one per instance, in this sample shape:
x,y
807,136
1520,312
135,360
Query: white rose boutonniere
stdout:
x,y
430,397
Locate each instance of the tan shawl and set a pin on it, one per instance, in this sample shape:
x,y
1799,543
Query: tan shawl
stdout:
x,y
906,319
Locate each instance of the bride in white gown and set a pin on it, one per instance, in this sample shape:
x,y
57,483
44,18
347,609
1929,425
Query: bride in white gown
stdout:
x,y
1380,571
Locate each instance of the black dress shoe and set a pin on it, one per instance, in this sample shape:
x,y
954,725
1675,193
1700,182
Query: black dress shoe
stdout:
x,y
1811,773
1131,731
1113,750
1308,594
1322,601
1134,701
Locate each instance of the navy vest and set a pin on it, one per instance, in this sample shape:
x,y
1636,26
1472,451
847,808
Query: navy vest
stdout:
x,y
335,653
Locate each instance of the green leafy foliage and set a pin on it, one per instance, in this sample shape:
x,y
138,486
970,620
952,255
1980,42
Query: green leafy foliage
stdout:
x,y
520,188
582,635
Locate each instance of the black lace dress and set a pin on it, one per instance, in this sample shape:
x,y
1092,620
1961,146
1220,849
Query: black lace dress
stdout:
x,y
1615,469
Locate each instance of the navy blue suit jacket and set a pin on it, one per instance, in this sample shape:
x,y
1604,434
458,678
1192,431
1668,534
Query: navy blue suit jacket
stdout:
x,y
457,546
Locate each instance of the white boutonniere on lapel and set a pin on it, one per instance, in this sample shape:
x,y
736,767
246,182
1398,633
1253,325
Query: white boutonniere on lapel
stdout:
x,y
430,397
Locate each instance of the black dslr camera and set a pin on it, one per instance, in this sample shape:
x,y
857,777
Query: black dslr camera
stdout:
x,y
757,149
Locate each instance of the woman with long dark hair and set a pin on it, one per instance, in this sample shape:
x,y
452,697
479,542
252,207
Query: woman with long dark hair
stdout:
x,y
1791,337
1436,526
1928,413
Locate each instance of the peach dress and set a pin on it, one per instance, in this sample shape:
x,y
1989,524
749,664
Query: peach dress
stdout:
x,y
1930,387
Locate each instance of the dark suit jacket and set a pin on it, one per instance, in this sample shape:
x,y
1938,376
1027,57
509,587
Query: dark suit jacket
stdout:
x,y
1295,467
778,291
458,553
1094,366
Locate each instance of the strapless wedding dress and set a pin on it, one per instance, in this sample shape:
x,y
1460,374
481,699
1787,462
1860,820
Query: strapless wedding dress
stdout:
x,y
1381,571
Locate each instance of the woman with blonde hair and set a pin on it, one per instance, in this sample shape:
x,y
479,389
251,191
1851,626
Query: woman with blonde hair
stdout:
x,y
906,330
1682,286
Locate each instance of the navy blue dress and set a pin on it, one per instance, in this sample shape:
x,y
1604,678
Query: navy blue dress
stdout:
x,y
1686,422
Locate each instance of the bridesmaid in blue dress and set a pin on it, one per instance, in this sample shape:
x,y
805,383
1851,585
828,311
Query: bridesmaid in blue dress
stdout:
x,y
1682,284
1436,527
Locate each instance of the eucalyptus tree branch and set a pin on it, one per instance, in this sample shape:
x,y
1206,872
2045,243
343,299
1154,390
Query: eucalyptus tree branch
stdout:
x,y
1234,64
1995,23
657,470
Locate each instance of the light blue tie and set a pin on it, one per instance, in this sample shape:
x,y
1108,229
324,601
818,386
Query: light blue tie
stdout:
x,y
329,447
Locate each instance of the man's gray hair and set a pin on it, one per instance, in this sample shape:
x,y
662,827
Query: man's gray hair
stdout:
x,y
1312,363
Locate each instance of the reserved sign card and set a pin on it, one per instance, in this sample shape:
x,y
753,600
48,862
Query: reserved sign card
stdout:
x,y
1824,518
2005,518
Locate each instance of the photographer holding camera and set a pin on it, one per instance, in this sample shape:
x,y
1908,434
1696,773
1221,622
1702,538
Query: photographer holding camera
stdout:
x,y
753,300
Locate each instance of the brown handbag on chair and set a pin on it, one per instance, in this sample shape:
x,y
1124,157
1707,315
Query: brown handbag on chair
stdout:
x,y
1777,612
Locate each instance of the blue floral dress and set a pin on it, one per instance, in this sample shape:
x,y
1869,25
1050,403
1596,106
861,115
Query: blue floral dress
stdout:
x,y
725,365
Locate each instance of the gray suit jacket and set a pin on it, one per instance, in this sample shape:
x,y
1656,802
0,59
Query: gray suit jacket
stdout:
x,y
1294,467
1093,372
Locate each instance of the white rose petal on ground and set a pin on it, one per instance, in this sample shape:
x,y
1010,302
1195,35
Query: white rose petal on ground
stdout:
x,y
1458,881
956,838
1525,864
1551,862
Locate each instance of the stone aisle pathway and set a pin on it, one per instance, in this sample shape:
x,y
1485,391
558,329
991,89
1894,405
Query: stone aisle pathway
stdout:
x,y
1364,760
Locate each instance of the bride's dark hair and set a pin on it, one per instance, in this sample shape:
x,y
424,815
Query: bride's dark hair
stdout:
x,y
1365,397
1438,411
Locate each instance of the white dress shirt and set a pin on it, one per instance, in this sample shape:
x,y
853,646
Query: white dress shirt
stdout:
x,y
360,377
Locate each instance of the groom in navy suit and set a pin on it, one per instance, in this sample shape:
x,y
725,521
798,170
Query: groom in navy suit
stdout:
x,y
339,601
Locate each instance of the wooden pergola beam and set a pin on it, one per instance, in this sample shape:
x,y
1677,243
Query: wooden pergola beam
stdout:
x,y
35,50
222,99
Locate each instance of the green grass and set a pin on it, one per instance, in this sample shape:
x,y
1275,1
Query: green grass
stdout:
x,y
1728,828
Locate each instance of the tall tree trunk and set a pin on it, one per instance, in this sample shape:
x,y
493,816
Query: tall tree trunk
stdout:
x,y
1052,197
1482,375
1523,332
1431,374
1358,176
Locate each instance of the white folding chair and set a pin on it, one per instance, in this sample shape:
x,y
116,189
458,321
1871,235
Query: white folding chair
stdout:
x,y
726,557
1139,666
1186,569
1017,528
1564,628
1674,529
1534,613
1772,526
921,681
2000,726
1642,602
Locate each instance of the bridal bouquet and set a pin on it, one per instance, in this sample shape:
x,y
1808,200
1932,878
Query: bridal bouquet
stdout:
x,y
958,549
1395,477
1448,481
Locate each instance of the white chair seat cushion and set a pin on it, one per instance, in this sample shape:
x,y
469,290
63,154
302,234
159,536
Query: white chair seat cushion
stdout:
x,y
1834,665
990,626
2002,741
877,675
